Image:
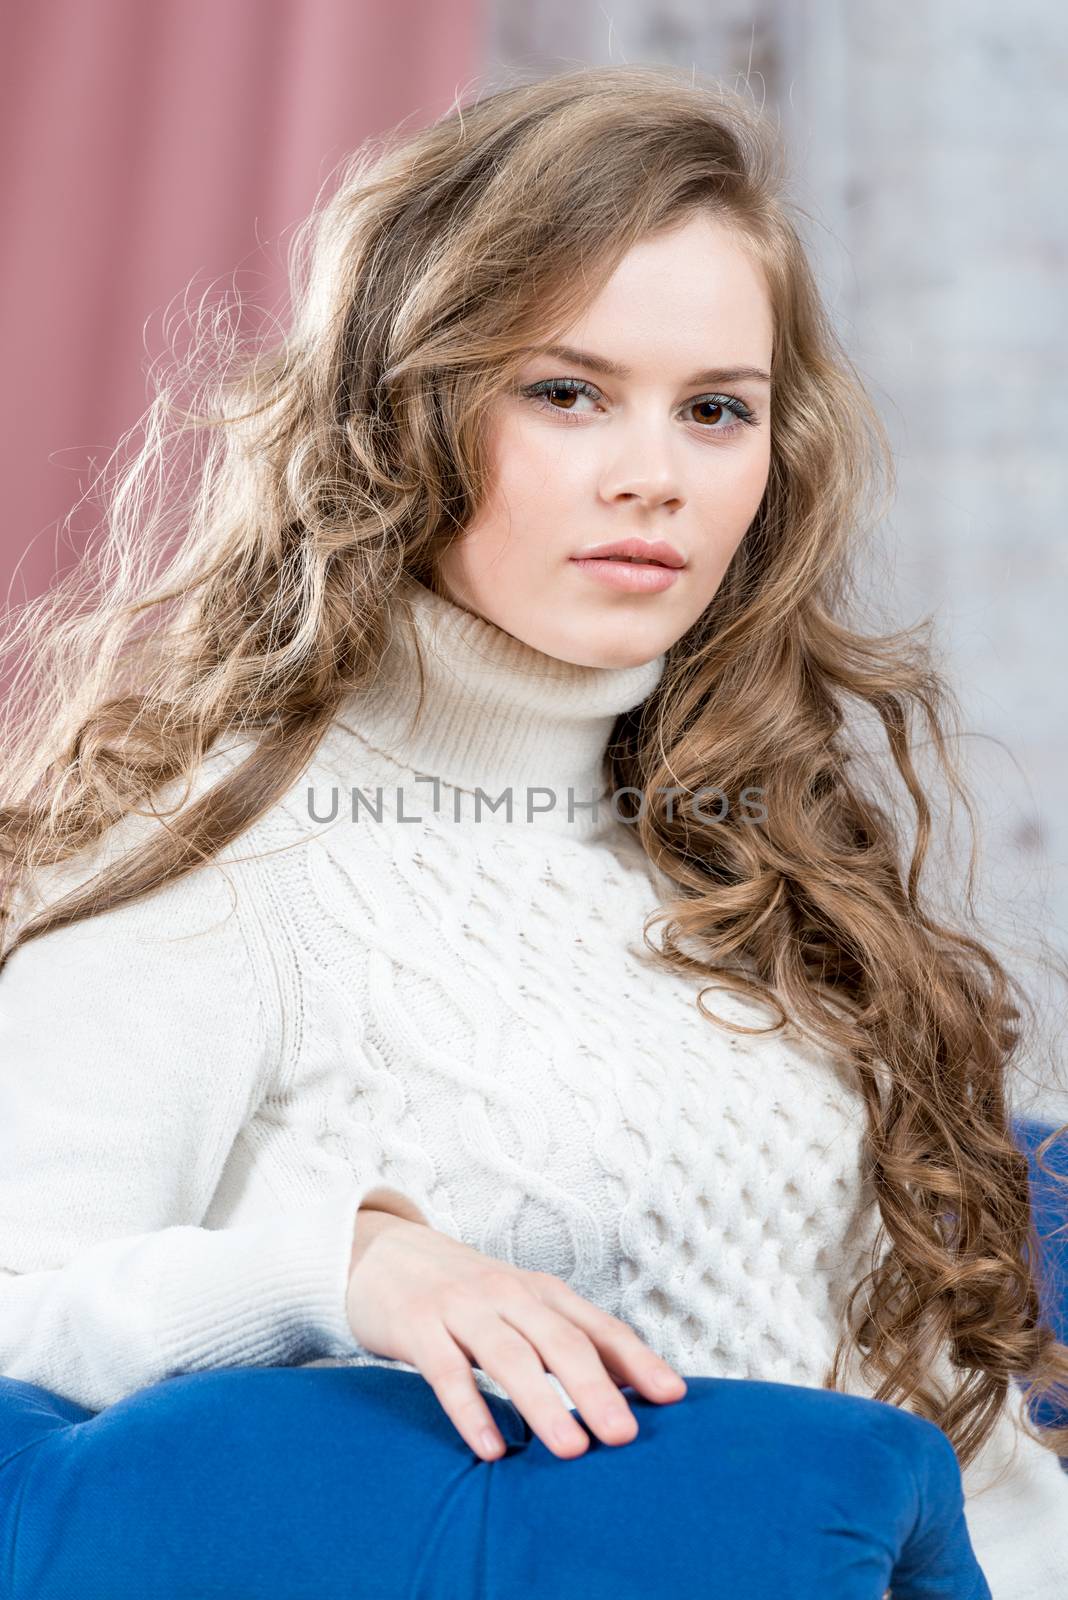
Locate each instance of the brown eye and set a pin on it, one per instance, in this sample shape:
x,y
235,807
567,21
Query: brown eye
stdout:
x,y
559,390
546,393
717,409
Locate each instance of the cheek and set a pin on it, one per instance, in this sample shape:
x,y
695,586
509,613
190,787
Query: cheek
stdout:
x,y
513,514
536,481
533,463
738,492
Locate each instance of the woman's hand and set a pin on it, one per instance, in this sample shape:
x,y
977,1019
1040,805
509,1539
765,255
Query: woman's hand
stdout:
x,y
419,1296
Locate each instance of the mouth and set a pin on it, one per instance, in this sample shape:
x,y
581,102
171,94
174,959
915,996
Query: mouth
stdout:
x,y
636,575
634,561
635,552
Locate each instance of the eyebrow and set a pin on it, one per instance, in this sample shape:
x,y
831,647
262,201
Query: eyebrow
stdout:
x,y
614,369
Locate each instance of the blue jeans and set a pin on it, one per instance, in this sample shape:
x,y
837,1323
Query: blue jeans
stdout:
x,y
293,1483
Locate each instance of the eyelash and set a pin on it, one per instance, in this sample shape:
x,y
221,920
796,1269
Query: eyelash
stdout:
x,y
546,386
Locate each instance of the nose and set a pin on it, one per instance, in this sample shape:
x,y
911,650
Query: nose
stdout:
x,y
645,472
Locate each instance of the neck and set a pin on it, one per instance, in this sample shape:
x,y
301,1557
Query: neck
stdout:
x,y
496,714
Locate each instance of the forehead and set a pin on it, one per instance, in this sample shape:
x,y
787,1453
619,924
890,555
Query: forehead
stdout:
x,y
691,295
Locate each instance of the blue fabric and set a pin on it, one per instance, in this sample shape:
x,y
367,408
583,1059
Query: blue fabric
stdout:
x,y
1049,1203
327,1482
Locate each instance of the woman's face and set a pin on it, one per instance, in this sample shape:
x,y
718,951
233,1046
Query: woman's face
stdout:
x,y
654,450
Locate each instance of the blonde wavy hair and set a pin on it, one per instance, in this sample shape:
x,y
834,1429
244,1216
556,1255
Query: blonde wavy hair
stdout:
x,y
316,471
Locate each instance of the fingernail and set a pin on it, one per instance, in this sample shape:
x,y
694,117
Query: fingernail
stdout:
x,y
490,1442
665,1381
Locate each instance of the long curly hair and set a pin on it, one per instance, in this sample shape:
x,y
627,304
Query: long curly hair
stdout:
x,y
318,467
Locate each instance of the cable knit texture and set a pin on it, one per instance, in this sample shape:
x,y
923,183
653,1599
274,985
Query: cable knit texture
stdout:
x,y
388,985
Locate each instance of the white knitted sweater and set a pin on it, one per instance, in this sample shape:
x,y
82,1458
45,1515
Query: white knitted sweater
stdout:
x,y
197,1091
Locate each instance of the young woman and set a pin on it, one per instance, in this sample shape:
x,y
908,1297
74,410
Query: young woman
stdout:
x,y
509,620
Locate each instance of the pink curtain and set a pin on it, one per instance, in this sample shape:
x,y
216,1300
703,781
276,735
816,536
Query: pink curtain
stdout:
x,y
153,146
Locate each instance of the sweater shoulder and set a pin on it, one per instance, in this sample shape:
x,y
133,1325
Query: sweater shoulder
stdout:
x,y
288,823
219,928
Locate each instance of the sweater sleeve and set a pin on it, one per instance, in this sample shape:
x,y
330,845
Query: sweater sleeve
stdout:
x,y
133,1047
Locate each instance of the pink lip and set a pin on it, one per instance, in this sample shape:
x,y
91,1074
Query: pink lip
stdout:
x,y
638,579
643,549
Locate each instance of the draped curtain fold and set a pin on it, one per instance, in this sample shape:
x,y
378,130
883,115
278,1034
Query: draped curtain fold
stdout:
x,y
152,153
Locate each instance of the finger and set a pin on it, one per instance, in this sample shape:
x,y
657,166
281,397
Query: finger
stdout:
x,y
508,1356
569,1353
626,1356
448,1371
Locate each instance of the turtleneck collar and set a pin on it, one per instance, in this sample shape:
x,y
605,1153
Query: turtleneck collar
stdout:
x,y
496,713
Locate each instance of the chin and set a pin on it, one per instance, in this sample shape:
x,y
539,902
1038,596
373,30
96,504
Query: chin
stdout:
x,y
584,656
620,646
